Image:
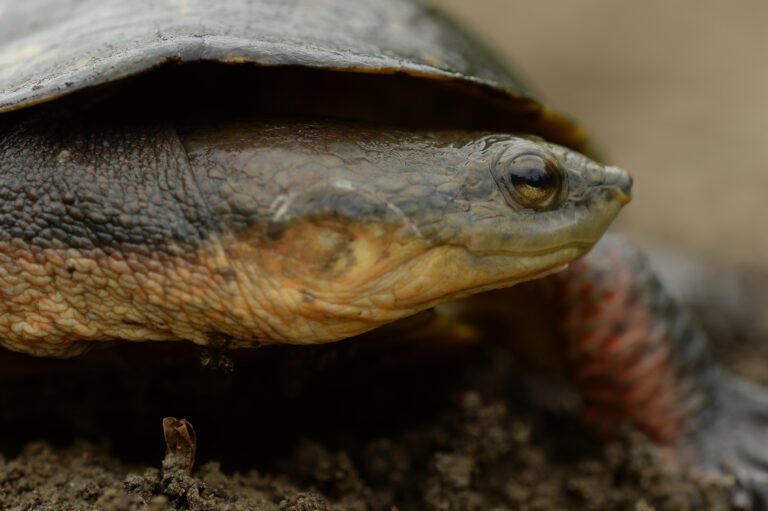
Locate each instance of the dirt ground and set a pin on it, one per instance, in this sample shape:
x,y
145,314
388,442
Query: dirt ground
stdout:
x,y
358,426
378,423
672,91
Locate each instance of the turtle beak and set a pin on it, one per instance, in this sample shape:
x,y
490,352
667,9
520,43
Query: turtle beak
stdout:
x,y
620,181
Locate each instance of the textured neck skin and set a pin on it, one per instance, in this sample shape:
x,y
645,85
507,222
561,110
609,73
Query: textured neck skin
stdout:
x,y
73,185
94,222
139,226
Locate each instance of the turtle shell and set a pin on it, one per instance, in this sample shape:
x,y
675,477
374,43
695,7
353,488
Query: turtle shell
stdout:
x,y
53,48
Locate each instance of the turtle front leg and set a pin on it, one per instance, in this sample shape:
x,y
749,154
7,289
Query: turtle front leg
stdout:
x,y
639,357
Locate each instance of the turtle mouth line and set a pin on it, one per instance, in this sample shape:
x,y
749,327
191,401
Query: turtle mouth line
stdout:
x,y
577,245
511,281
560,256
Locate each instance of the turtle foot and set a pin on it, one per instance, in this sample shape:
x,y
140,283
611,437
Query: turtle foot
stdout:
x,y
732,440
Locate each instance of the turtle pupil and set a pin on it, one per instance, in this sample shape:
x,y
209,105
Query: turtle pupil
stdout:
x,y
533,176
535,181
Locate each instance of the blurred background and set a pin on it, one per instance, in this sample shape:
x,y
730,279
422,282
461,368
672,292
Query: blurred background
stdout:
x,y
676,92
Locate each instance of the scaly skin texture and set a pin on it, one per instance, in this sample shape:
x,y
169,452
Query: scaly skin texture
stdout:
x,y
635,353
638,357
282,231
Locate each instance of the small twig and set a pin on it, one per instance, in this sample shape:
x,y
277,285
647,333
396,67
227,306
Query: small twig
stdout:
x,y
180,443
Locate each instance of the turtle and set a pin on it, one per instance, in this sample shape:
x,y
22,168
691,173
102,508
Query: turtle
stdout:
x,y
283,175
305,171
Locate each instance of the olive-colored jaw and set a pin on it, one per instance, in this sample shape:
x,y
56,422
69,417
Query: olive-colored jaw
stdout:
x,y
280,231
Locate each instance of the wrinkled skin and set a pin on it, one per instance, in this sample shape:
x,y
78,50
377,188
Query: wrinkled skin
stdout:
x,y
262,232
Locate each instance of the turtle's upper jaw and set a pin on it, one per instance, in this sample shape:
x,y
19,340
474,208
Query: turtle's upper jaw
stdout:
x,y
364,225
619,181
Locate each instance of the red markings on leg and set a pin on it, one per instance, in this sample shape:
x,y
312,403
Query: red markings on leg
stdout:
x,y
617,349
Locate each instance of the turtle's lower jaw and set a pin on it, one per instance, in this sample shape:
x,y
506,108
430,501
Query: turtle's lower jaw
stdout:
x,y
412,278
495,269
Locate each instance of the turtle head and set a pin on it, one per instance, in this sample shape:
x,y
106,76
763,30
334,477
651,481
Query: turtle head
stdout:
x,y
337,229
543,206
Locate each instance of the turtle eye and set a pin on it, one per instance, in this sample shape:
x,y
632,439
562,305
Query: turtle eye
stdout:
x,y
531,180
